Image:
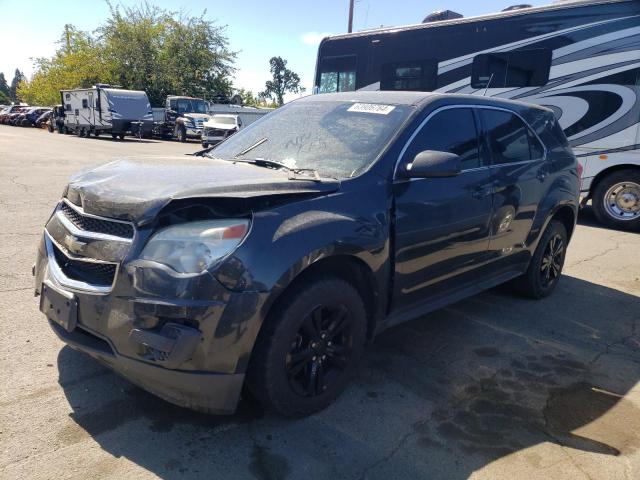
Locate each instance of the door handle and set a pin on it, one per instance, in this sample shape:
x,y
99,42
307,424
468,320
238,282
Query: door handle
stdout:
x,y
483,191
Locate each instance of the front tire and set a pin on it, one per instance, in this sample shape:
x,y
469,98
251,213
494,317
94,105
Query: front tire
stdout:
x,y
616,200
309,347
545,268
181,133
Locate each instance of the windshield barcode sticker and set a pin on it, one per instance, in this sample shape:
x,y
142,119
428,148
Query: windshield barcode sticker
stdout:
x,y
371,108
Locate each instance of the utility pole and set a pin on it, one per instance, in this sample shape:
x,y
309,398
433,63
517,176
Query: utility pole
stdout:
x,y
351,16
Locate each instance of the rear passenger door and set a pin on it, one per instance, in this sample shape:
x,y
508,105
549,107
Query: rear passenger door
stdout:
x,y
441,224
520,178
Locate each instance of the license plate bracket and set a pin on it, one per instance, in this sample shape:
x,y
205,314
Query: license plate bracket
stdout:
x,y
59,306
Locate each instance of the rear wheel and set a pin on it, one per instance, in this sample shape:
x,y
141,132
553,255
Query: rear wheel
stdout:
x,y
309,347
616,200
121,136
545,268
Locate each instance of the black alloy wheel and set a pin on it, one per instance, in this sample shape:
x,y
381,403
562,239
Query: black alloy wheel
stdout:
x,y
320,350
552,261
309,347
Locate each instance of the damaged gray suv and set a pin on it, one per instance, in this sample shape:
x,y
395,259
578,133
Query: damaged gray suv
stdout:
x,y
268,261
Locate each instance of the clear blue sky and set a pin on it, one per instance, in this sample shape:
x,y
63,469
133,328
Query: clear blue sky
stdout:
x,y
257,29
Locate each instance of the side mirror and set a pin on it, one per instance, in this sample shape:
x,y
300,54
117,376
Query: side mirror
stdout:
x,y
433,163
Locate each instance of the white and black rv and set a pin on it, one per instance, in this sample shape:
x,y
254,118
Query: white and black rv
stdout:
x,y
580,58
104,109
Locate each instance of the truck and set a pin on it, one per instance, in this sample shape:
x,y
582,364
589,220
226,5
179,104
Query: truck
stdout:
x,y
106,109
579,58
226,119
181,118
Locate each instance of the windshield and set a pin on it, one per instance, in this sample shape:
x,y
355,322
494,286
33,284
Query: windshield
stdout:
x,y
223,120
338,139
191,105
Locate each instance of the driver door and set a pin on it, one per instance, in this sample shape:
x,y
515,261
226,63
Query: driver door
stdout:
x,y
441,224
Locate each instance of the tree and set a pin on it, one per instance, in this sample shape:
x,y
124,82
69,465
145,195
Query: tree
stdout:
x,y
4,87
17,78
4,98
284,80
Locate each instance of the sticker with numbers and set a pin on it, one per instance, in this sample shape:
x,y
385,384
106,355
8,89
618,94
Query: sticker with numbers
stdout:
x,y
371,108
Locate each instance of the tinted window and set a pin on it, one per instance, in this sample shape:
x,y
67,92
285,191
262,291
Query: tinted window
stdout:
x,y
523,68
510,140
419,76
85,103
337,74
452,131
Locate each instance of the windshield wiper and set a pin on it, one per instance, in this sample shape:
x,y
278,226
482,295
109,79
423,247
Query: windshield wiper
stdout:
x,y
251,147
294,173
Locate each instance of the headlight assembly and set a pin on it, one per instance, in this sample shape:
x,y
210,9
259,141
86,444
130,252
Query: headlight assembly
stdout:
x,y
195,246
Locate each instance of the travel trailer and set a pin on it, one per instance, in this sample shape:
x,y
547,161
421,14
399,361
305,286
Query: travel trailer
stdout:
x,y
580,58
105,109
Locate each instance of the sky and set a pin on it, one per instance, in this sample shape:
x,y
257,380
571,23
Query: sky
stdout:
x,y
256,29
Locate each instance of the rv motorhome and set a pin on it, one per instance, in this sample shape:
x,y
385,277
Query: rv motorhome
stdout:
x,y
580,58
104,109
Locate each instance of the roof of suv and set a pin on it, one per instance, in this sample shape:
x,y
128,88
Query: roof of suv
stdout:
x,y
419,99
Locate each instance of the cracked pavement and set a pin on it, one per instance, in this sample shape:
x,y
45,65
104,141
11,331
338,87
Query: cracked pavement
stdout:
x,y
493,387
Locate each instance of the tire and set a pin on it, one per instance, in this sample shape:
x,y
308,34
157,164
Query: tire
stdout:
x,y
79,132
96,133
181,133
205,145
326,363
540,281
50,127
616,200
121,136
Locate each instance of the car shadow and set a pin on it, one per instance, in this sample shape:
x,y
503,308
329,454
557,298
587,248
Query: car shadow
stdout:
x,y
438,397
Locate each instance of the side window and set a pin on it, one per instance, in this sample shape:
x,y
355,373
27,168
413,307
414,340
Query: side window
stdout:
x,y
173,105
85,103
510,140
67,107
522,68
418,76
454,131
337,74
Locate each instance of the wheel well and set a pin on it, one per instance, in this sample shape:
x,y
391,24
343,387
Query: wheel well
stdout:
x,y
566,216
616,168
350,269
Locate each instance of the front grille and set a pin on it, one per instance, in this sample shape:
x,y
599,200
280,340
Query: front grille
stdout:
x,y
214,132
97,225
100,274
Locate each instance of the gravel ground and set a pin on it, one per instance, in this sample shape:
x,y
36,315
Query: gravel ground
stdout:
x,y
494,387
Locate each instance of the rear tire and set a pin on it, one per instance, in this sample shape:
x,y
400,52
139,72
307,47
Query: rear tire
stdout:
x,y
205,145
545,268
616,200
121,136
309,347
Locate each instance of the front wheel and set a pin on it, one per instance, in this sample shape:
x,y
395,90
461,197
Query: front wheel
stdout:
x,y
545,268
309,347
616,200
181,133
205,145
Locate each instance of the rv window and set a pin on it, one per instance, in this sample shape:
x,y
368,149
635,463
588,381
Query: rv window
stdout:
x,y
418,76
67,107
67,96
510,140
523,68
85,103
337,74
452,131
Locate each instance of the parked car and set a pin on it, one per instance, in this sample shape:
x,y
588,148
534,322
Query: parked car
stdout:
x,y
271,259
7,112
219,127
29,117
14,116
43,120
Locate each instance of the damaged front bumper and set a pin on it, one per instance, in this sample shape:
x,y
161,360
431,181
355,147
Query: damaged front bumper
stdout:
x,y
185,339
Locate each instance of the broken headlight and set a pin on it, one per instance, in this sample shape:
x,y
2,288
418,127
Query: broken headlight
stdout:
x,y
195,246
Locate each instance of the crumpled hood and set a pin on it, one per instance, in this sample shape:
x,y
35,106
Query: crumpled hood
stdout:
x,y
137,189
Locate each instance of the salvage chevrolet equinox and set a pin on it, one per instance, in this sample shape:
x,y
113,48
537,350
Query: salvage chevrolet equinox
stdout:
x,y
268,261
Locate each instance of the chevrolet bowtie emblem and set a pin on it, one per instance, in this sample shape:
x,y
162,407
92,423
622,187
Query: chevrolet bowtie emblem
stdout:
x,y
73,244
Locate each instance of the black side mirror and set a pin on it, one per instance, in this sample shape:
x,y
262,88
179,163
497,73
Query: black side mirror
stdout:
x,y
433,163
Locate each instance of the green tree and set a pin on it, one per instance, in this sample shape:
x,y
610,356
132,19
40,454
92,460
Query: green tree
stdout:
x,y
284,80
163,53
4,98
4,86
17,78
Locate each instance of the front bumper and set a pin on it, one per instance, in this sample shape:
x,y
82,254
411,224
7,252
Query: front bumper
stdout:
x,y
194,132
124,327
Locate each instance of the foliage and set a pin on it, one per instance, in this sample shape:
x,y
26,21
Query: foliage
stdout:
x,y
4,98
284,80
140,48
17,78
4,86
